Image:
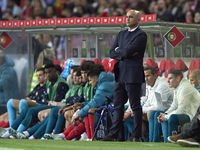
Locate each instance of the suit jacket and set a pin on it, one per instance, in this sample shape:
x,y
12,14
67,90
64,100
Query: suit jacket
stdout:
x,y
129,55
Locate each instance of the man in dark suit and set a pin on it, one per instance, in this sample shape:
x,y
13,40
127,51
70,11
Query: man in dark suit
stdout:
x,y
128,49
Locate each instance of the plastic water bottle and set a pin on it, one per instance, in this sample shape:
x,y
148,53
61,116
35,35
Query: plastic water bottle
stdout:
x,y
174,132
75,124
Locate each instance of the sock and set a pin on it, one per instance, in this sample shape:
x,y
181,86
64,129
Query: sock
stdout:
x,y
6,125
78,130
2,123
26,133
87,127
11,111
71,127
91,122
21,128
31,137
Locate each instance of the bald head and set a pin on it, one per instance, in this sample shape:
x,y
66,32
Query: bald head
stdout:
x,y
136,12
132,19
195,77
196,73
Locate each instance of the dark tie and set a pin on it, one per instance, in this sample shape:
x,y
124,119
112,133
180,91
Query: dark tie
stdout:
x,y
128,34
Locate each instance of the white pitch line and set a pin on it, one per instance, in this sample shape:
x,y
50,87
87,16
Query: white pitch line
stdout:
x,y
149,144
4,148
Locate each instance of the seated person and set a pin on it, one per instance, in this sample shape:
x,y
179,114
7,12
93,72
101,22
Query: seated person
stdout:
x,y
55,120
42,114
37,97
86,67
56,89
158,98
195,78
184,106
103,85
70,76
190,136
8,79
37,133
87,90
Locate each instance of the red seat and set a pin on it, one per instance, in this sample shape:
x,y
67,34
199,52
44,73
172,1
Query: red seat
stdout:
x,y
162,66
170,65
97,61
180,65
112,64
82,61
152,63
105,64
63,65
56,62
197,64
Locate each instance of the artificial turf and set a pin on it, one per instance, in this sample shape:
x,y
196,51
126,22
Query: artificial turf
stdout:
x,y
16,144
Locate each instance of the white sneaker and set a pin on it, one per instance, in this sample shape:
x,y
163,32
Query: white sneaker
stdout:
x,y
188,142
83,137
12,137
6,135
31,137
53,137
2,131
74,139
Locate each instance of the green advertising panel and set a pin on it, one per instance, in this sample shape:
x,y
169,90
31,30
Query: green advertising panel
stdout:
x,y
197,50
177,51
107,52
83,52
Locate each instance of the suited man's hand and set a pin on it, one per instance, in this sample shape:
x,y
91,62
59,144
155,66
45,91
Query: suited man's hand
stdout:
x,y
135,53
126,116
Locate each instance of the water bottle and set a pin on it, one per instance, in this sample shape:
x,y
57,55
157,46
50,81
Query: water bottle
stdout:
x,y
75,124
174,132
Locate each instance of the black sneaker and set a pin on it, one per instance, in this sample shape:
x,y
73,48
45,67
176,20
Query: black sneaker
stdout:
x,y
134,139
140,139
13,132
108,138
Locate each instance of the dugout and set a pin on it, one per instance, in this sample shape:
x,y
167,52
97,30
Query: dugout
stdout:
x,y
92,39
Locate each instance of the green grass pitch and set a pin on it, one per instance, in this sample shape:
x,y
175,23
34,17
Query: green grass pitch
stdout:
x,y
16,144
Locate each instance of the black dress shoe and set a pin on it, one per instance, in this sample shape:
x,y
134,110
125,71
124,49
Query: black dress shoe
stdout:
x,y
134,139
138,139
108,138
130,139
